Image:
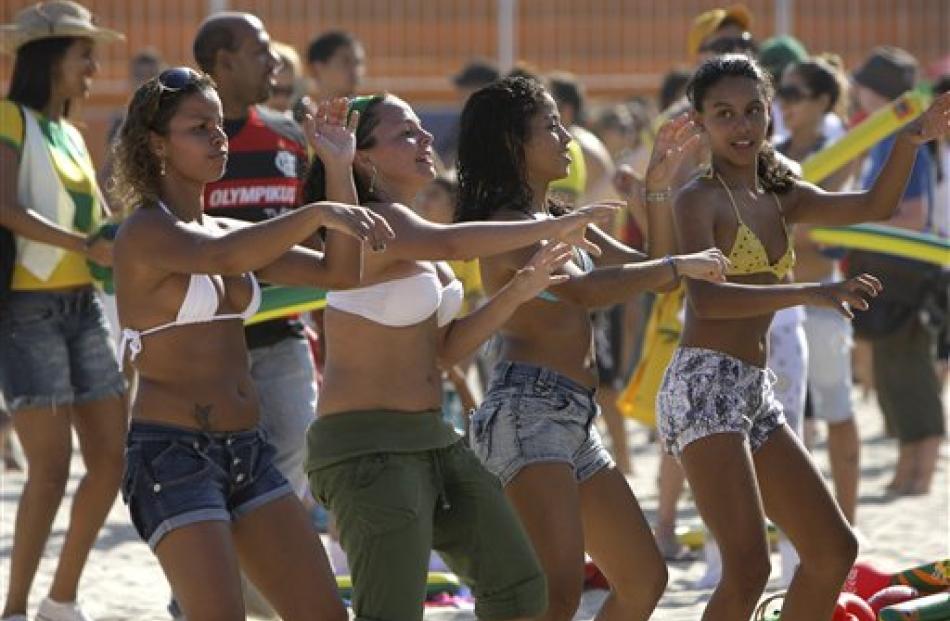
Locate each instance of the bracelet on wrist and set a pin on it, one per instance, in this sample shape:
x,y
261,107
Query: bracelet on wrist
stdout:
x,y
657,197
669,260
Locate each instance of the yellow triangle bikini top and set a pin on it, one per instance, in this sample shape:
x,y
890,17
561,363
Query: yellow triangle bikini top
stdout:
x,y
748,254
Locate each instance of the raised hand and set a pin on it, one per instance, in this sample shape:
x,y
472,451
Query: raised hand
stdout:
x,y
933,123
710,264
330,134
678,138
627,183
845,295
539,273
573,226
358,222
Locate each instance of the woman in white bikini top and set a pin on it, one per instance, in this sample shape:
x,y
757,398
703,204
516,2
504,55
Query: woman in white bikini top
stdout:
x,y
199,479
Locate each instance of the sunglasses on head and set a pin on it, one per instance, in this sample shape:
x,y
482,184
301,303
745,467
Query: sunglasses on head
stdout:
x,y
172,81
791,93
177,78
728,45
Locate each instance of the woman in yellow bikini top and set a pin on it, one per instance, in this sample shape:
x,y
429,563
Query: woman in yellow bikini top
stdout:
x,y
748,254
716,410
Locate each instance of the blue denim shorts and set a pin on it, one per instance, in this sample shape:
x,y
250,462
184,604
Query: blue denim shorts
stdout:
x,y
175,476
534,415
55,349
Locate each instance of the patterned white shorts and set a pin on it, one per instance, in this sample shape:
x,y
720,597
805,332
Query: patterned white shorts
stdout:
x,y
706,392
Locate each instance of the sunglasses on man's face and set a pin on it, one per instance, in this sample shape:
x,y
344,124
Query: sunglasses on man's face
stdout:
x,y
729,45
792,94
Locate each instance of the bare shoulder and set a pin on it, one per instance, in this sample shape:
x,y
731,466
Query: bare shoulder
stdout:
x,y
141,223
800,193
698,193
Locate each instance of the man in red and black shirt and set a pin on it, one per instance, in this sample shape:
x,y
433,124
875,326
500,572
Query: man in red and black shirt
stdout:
x,y
267,156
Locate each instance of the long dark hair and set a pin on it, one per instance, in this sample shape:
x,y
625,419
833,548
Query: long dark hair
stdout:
x,y
315,182
774,175
34,68
492,174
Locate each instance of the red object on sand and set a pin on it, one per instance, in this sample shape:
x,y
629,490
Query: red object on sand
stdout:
x,y
896,594
865,580
850,605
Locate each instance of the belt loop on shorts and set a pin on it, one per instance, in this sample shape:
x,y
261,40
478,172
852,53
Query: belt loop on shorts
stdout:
x,y
506,368
547,379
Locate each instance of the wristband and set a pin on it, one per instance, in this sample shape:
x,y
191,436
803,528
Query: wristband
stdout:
x,y
657,197
669,260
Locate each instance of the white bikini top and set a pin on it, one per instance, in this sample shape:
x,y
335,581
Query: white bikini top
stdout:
x,y
402,302
200,305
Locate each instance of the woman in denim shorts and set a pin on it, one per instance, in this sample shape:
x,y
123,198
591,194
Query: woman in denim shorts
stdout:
x,y
200,481
535,429
717,411
58,369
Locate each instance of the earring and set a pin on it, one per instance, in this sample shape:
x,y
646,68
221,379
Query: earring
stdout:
x,y
372,181
161,166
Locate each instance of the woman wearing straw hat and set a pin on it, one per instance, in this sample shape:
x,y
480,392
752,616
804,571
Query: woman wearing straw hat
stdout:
x,y
58,369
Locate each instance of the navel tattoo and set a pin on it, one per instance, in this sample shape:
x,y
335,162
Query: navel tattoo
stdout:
x,y
203,414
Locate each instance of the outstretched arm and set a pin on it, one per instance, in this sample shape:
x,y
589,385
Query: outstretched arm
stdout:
x,y
810,204
463,336
172,245
727,300
419,239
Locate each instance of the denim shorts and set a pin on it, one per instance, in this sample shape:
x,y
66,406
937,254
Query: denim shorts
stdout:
x,y
55,349
176,476
534,415
705,392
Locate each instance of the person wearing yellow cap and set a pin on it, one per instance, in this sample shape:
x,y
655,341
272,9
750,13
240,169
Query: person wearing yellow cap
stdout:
x,y
720,31
58,370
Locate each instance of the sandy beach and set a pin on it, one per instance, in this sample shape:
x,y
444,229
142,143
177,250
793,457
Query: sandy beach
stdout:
x,y
123,581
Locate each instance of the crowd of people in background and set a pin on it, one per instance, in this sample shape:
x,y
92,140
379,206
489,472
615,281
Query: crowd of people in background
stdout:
x,y
489,292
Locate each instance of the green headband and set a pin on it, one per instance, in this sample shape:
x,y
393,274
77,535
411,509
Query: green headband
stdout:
x,y
361,103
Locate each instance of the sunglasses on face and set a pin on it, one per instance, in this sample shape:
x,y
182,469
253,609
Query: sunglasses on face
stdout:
x,y
729,45
792,94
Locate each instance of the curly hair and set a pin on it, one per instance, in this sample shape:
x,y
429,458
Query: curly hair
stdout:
x,y
315,182
774,175
136,176
492,173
